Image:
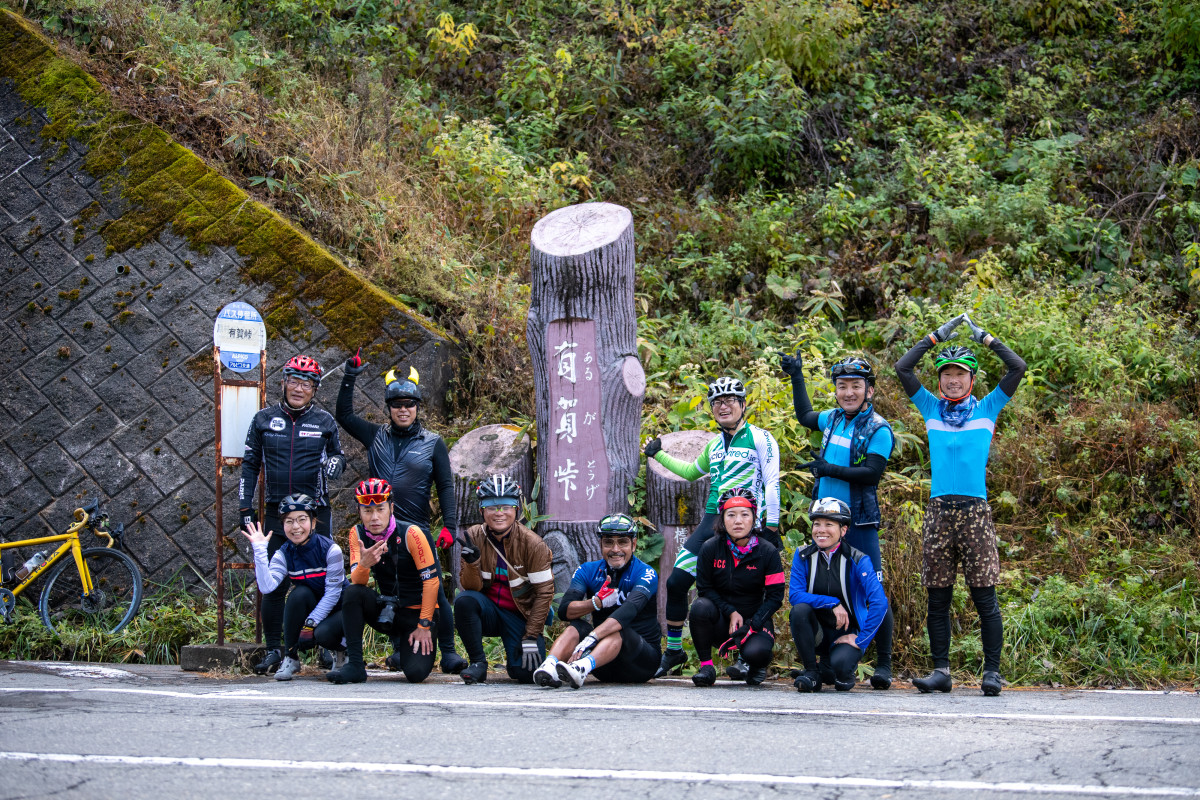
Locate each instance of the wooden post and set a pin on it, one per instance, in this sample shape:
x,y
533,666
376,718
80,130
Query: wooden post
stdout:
x,y
582,336
490,450
674,505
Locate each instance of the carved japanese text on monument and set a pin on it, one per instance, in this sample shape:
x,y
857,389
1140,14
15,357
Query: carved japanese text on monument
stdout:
x,y
577,488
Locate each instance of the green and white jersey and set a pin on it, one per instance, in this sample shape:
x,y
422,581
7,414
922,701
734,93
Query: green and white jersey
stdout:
x,y
749,459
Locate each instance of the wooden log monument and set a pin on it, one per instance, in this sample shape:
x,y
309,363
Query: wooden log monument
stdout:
x,y
582,336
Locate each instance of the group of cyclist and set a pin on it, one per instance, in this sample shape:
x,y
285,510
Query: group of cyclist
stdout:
x,y
734,556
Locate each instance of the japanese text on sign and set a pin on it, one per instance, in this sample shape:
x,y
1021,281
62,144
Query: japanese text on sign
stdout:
x,y
578,463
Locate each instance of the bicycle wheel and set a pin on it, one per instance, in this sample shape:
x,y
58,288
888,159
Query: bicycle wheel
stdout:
x,y
116,593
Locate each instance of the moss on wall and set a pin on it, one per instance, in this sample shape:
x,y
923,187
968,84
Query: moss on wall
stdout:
x,y
168,186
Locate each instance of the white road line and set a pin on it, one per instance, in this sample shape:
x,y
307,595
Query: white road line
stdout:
x,y
72,670
561,773
258,695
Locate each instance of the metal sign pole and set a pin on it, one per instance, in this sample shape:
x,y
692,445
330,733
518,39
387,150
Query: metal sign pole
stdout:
x,y
240,331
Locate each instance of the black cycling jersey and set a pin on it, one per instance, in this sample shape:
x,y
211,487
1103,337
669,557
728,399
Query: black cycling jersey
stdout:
x,y
752,586
411,459
292,446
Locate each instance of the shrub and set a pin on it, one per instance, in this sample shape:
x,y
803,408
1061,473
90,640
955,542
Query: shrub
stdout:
x,y
816,40
1054,17
756,124
1181,31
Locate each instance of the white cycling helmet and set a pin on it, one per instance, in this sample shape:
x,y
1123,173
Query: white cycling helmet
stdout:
x,y
724,387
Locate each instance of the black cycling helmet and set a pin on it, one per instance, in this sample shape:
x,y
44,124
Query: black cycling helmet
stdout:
x,y
723,387
498,490
957,355
853,367
738,497
830,508
617,525
297,502
406,389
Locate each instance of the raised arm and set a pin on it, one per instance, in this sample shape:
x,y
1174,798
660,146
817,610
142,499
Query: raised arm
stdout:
x,y
1015,364
794,366
908,361
356,426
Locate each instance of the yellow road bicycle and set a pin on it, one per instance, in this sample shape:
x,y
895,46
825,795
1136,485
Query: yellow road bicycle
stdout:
x,y
87,588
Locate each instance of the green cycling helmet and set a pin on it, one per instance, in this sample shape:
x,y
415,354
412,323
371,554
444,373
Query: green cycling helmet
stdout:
x,y
617,525
956,356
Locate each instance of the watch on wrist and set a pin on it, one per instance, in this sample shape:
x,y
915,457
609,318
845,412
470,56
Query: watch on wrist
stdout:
x,y
425,623
595,605
310,623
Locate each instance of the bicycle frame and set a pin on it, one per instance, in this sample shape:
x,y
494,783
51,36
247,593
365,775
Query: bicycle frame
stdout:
x,y
70,541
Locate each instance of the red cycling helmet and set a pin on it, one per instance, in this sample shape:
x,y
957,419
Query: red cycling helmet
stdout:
x,y
303,367
373,492
738,498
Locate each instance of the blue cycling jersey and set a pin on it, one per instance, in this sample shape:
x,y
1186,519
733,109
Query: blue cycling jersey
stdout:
x,y
958,456
837,452
637,576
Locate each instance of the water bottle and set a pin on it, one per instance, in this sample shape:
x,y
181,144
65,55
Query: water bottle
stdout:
x,y
29,566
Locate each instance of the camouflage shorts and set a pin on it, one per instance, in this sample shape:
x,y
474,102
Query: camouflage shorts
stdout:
x,y
959,532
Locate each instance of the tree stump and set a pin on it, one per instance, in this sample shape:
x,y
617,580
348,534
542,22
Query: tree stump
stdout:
x,y
490,450
582,336
675,505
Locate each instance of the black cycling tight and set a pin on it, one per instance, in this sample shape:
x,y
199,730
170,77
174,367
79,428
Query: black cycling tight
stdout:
x,y
991,625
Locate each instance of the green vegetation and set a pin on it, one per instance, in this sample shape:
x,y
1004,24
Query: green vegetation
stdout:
x,y
817,175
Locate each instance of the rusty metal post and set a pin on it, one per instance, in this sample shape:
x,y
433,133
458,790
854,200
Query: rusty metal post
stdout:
x,y
220,508
221,463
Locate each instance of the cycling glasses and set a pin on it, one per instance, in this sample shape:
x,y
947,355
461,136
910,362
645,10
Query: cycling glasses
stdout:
x,y
402,403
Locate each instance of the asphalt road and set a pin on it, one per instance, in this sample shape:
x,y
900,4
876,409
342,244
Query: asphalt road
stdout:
x,y
98,732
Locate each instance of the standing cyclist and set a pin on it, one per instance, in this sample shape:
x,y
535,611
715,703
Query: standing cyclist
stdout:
x,y
619,592
741,456
413,460
296,444
958,524
856,444
508,585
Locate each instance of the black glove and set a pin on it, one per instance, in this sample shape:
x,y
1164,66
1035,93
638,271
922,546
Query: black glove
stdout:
x,y
978,334
946,332
735,640
469,553
653,446
355,364
793,365
248,516
334,466
818,467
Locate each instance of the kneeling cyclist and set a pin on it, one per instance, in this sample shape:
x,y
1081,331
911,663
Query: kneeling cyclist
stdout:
x,y
508,585
405,571
837,602
742,456
309,562
740,581
619,591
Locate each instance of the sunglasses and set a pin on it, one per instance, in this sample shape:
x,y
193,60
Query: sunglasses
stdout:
x,y
373,499
402,404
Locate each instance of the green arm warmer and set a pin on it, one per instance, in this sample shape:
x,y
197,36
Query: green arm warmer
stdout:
x,y
687,471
